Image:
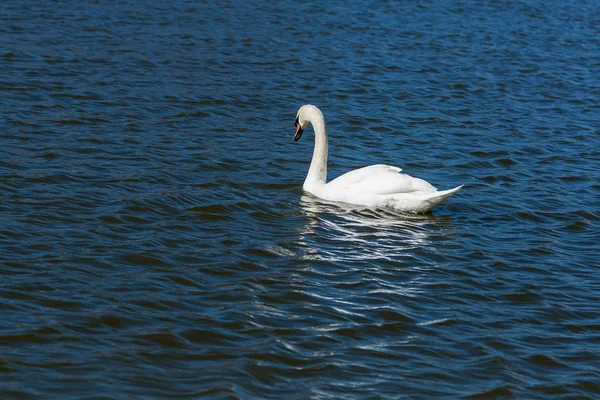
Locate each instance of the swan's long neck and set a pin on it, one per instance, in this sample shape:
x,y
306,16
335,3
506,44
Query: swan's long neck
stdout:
x,y
317,173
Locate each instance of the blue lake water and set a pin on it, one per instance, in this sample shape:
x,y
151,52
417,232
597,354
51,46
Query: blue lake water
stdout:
x,y
155,241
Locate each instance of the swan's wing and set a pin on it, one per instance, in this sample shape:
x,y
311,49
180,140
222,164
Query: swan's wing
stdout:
x,y
378,179
358,176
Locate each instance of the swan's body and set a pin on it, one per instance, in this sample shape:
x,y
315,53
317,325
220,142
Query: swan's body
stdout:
x,y
373,186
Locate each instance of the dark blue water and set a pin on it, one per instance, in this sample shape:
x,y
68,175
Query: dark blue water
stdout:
x,y
155,241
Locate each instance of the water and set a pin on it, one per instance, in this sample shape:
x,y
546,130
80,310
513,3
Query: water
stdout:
x,y
156,242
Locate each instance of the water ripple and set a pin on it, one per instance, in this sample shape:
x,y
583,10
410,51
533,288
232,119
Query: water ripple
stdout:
x,y
156,241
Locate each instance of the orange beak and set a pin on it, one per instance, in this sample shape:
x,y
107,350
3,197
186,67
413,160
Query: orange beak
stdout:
x,y
299,130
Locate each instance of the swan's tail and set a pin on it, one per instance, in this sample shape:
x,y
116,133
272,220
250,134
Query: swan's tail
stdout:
x,y
420,201
437,197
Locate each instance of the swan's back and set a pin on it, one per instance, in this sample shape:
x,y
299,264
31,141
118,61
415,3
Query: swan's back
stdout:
x,y
379,180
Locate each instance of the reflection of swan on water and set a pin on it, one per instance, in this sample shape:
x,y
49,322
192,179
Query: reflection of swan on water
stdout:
x,y
373,186
344,232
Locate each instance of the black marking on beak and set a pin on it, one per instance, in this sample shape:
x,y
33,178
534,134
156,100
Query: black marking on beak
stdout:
x,y
299,130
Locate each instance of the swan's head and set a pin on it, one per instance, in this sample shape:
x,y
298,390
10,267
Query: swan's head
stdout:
x,y
305,117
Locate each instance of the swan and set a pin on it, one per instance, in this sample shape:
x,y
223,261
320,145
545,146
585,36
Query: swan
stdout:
x,y
373,186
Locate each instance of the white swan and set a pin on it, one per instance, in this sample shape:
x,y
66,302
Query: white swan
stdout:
x,y
373,186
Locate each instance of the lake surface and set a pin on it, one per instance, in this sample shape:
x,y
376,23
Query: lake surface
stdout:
x,y
155,241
